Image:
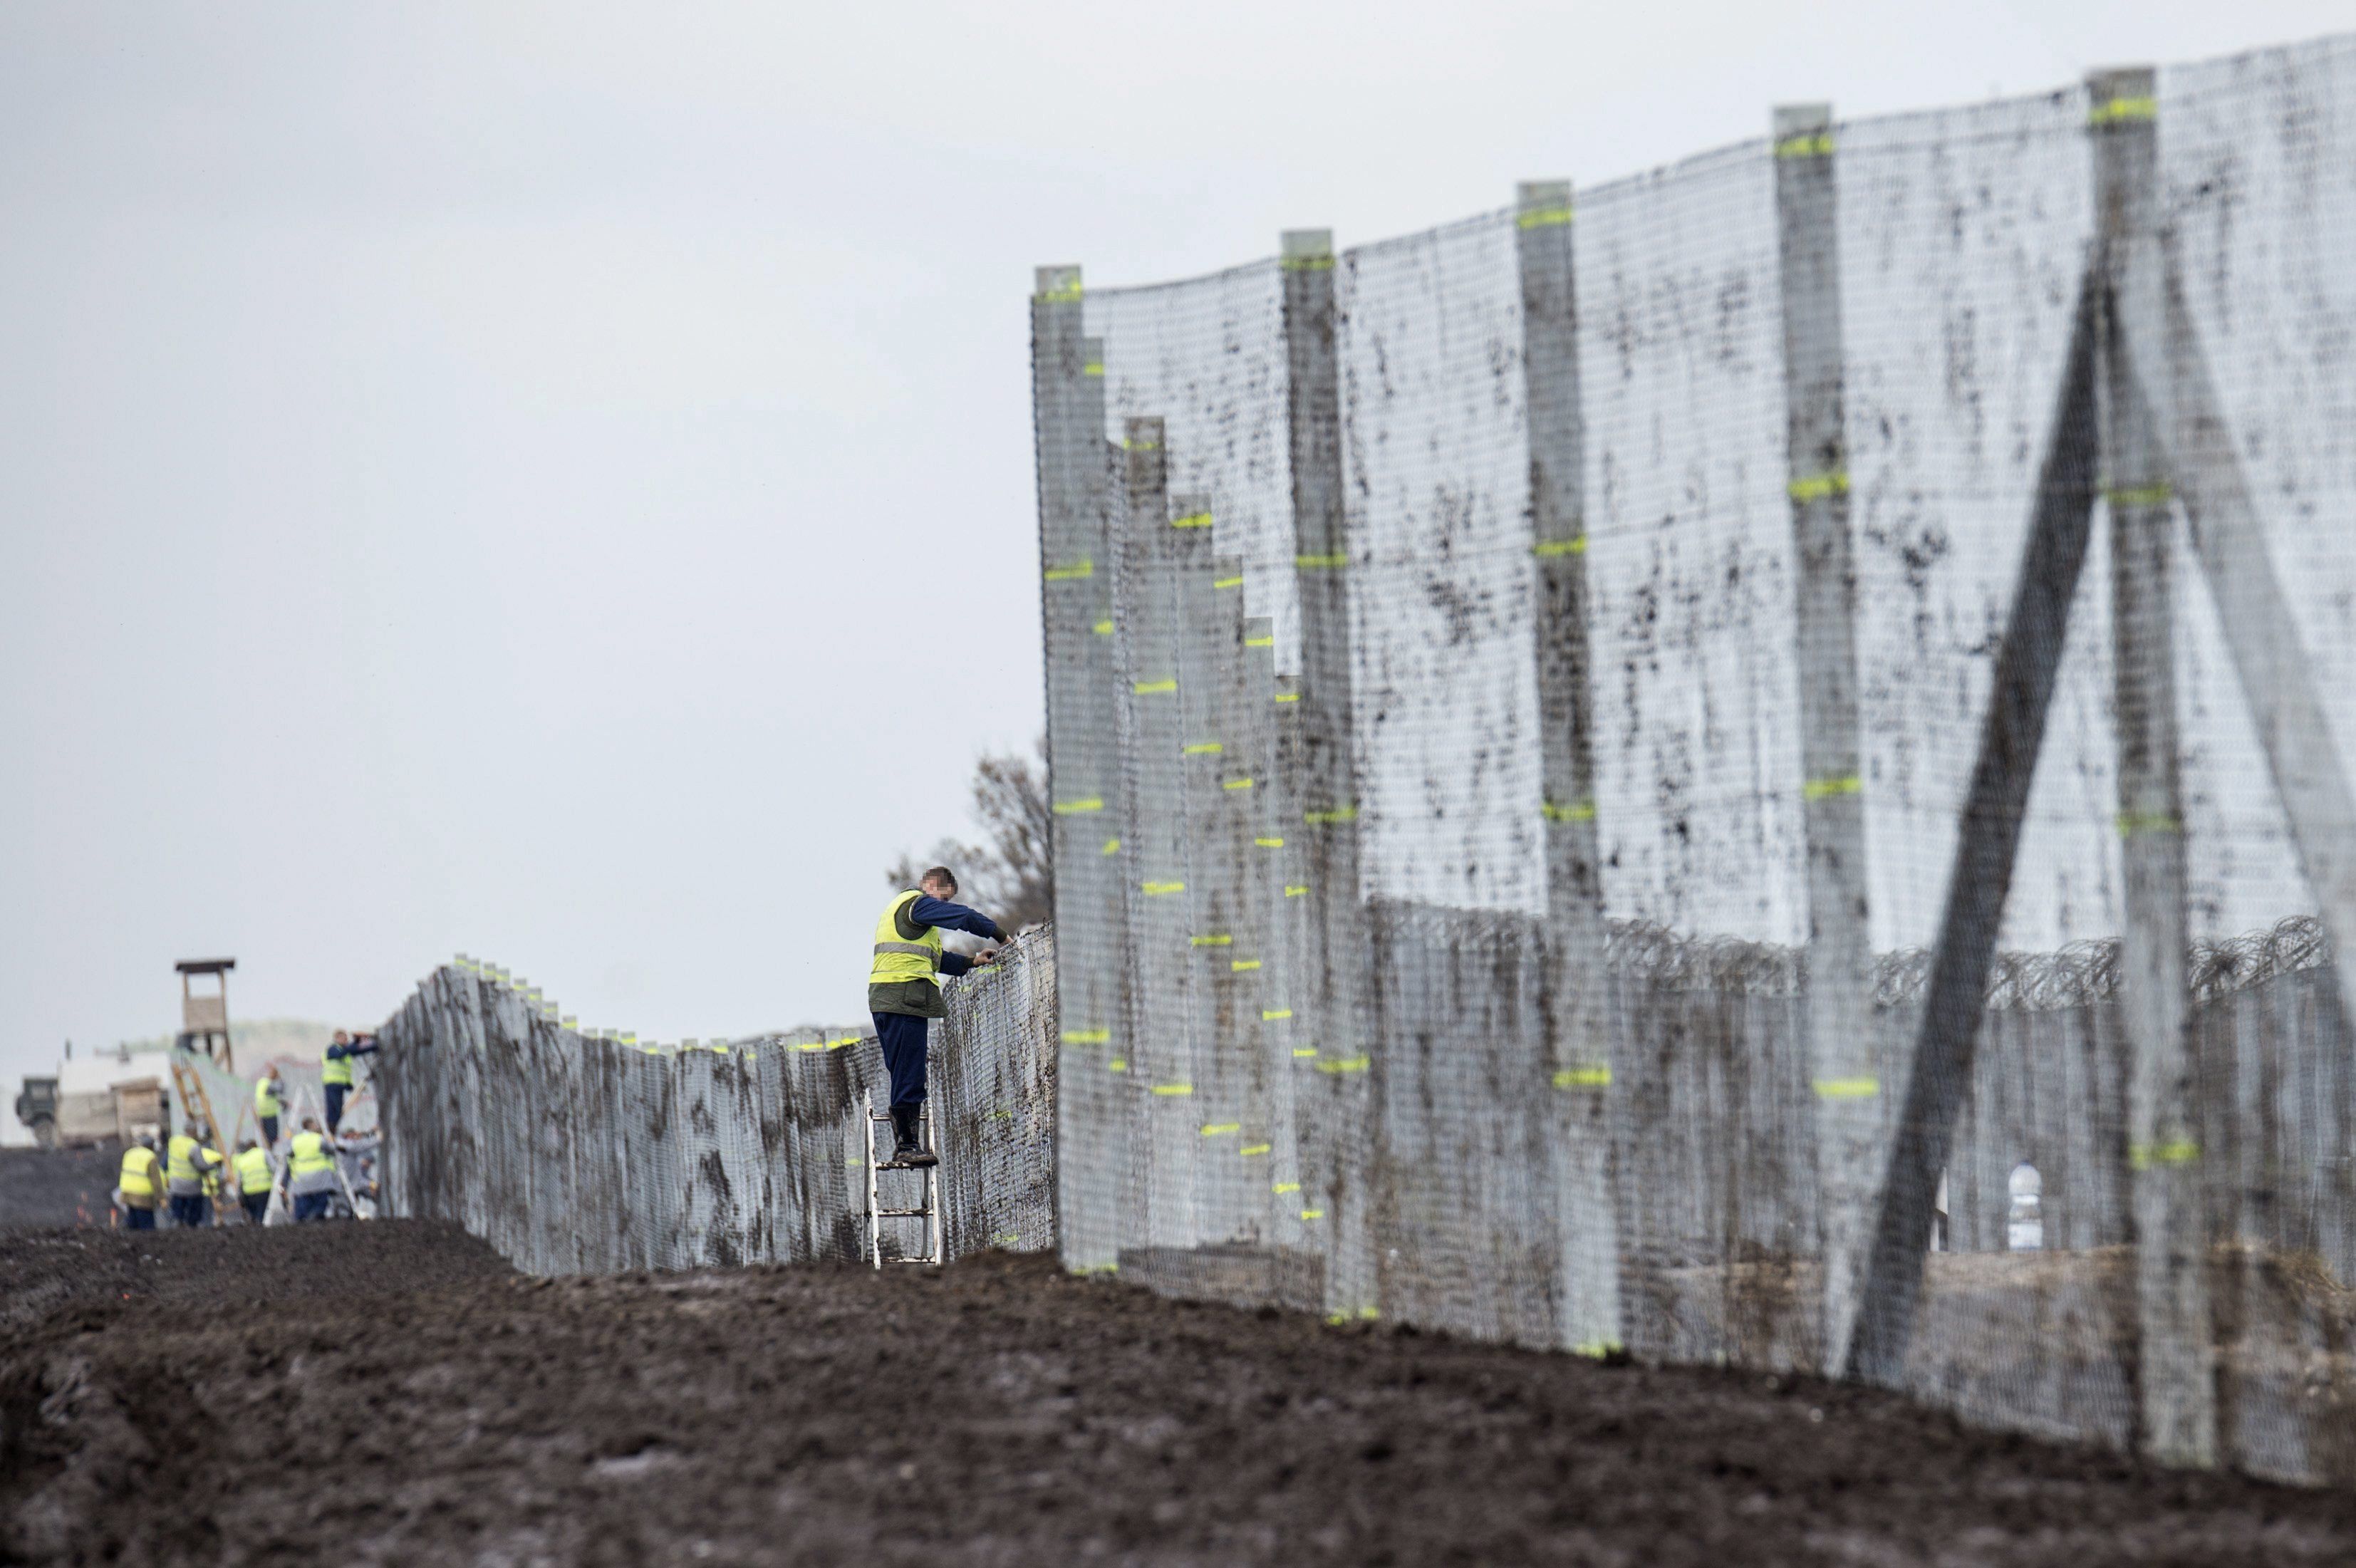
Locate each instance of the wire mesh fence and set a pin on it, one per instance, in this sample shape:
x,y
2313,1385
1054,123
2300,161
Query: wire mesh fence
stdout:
x,y
575,1153
1748,763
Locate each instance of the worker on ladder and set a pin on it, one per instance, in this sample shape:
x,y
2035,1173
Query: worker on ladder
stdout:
x,y
310,1173
254,1179
269,1103
186,1165
336,1070
904,993
139,1185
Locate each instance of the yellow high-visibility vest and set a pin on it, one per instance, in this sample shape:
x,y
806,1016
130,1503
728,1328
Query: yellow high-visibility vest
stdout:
x,y
307,1155
265,1102
184,1155
253,1171
336,1070
897,961
138,1177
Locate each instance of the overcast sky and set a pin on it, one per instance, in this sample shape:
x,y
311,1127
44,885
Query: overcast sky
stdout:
x,y
555,482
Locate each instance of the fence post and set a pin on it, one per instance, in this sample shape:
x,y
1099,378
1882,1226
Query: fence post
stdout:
x,y
2174,1363
1083,779
1578,1060
1159,1060
1338,1159
1841,1066
1270,1148
1223,932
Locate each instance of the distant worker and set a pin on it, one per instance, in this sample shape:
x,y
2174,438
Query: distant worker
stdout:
x,y
904,991
336,1070
269,1101
188,1167
139,1185
255,1180
310,1172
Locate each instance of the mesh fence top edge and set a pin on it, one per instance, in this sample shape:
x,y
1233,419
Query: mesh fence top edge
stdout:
x,y
1888,137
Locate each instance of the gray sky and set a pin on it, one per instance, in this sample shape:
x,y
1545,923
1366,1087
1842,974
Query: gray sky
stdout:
x,y
555,482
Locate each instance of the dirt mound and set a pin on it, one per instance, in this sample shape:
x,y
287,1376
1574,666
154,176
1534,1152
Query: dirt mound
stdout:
x,y
57,1186
384,1394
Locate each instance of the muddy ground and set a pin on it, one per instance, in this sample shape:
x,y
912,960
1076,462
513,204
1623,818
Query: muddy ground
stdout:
x,y
391,1393
57,1187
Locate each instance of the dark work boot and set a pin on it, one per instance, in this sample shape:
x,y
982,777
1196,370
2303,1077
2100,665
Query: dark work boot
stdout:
x,y
912,1150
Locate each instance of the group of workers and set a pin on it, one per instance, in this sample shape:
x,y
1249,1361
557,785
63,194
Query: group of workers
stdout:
x,y
186,1176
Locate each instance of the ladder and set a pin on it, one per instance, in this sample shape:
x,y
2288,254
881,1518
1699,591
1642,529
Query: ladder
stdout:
x,y
197,1115
929,1209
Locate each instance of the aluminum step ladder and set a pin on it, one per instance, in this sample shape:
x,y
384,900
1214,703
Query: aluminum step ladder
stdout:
x,y
929,1211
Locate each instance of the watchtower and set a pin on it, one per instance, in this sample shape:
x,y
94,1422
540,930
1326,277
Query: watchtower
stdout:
x,y
204,1017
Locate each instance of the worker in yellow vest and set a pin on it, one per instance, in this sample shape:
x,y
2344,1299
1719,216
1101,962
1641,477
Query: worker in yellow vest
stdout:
x,y
336,1070
903,991
187,1164
139,1187
310,1172
269,1101
254,1179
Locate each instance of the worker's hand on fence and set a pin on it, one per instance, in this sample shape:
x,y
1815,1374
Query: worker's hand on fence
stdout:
x,y
986,956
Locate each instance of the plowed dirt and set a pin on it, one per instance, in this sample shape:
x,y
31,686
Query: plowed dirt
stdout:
x,y
391,1393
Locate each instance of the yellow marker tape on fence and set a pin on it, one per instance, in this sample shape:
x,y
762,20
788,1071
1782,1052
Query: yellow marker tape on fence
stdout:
x,y
1343,1064
1192,520
1270,844
1334,562
1072,572
2123,111
1305,1053
1259,643
1826,788
1809,145
1818,487
2124,496
1112,846
1205,748
1162,889
1087,1037
1118,1064
1221,1129
2174,1152
1583,1078
1240,784
1545,548
1248,1150
1242,965
1093,368
2133,823
1543,218
1288,696
1077,807
1271,1015
1285,1186
1102,629
1227,582
811,1045
1307,263
1848,1088
1597,1349
1295,890
1005,1238
1577,811
1129,445
1220,941
1173,1091
1151,688
1329,819
1312,1214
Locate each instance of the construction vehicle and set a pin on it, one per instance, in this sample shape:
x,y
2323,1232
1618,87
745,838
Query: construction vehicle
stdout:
x,y
79,1110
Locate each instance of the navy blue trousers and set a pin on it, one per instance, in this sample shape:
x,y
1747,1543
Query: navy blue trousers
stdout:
x,y
257,1205
139,1220
191,1209
903,1056
311,1206
335,1092
269,1131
